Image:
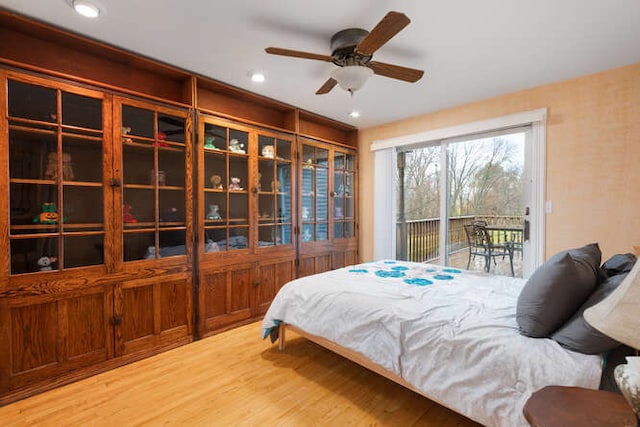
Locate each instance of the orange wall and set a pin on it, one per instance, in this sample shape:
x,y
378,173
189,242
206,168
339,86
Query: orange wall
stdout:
x,y
592,164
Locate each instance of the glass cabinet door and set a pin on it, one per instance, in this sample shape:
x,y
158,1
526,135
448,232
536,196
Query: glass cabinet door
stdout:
x,y
343,198
56,177
226,188
315,194
153,164
274,191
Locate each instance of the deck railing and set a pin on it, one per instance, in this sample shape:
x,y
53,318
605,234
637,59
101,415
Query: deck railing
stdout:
x,y
419,240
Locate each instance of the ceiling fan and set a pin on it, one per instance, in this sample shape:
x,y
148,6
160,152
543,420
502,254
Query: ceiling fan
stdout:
x,y
352,50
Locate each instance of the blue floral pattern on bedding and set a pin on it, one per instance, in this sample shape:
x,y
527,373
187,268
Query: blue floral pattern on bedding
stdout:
x,y
409,273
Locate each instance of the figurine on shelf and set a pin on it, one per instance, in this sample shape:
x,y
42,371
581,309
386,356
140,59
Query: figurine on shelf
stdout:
x,y
236,147
51,171
44,263
208,142
305,212
126,130
338,212
268,151
216,182
214,212
127,216
170,215
160,140
306,235
49,214
308,164
235,184
275,186
211,246
161,175
259,181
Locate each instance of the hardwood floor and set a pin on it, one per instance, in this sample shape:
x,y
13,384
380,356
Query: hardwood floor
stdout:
x,y
234,378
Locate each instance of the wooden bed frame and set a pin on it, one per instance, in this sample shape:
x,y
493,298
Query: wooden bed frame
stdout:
x,y
351,355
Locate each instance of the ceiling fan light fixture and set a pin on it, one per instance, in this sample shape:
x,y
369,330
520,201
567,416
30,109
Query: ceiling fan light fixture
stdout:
x,y
352,77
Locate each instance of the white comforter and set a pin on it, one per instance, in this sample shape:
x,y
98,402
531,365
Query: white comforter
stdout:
x,y
450,333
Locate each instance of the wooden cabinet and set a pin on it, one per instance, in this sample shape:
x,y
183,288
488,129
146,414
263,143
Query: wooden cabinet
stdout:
x,y
327,207
44,337
247,248
99,244
112,162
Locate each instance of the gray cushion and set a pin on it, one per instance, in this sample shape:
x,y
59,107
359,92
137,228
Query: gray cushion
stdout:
x,y
578,335
557,289
619,263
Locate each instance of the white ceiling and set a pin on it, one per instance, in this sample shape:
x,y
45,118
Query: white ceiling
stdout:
x,y
469,49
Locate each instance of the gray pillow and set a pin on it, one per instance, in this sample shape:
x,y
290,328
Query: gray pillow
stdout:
x,y
619,263
556,290
578,335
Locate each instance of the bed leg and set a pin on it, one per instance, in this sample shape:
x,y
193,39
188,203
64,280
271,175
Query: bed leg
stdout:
x,y
281,338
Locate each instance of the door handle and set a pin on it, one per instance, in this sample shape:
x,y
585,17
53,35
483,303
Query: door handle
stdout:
x,y
526,230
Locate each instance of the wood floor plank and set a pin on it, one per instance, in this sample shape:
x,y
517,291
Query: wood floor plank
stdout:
x,y
234,378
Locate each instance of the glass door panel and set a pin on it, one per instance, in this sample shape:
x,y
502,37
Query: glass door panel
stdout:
x,y
274,191
343,202
56,191
226,188
418,205
154,183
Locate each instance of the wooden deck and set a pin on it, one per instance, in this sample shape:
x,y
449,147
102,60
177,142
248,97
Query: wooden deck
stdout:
x,y
459,260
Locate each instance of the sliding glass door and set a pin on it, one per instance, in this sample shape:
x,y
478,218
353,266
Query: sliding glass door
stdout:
x,y
446,188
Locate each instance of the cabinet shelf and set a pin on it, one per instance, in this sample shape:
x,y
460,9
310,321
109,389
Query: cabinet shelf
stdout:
x,y
32,181
65,226
276,159
271,193
152,187
42,131
151,144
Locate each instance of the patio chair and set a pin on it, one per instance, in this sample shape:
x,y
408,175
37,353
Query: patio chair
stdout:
x,y
481,243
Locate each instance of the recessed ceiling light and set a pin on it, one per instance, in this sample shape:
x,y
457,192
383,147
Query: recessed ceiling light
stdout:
x,y
86,8
354,114
257,77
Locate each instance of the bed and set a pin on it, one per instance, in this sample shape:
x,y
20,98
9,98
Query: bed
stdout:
x,y
448,334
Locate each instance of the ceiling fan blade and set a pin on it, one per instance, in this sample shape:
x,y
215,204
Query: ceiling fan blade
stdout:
x,y
298,54
327,86
389,26
411,75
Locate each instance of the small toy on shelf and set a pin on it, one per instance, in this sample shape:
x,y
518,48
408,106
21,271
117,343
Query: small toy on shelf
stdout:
x,y
162,178
51,171
236,147
306,235
268,151
160,140
216,182
126,130
214,212
49,214
338,212
305,212
275,186
44,263
127,216
208,142
307,164
235,184
169,215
